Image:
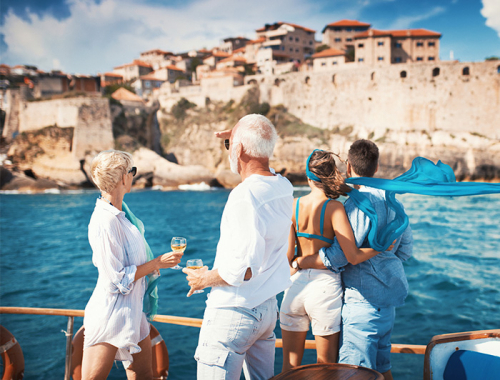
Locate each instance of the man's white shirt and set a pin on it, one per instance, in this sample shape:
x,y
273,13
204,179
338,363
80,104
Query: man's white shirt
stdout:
x,y
254,234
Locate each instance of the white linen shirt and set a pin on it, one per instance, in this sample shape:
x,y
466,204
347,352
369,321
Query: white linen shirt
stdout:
x,y
254,234
114,312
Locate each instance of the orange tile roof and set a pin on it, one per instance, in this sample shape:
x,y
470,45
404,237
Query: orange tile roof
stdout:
x,y
150,77
158,52
113,75
124,94
257,41
220,54
174,68
348,23
328,53
280,55
136,62
3,65
414,33
276,25
240,50
398,33
234,59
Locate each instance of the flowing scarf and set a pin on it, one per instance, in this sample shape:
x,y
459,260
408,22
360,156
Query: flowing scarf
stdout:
x,y
150,303
425,178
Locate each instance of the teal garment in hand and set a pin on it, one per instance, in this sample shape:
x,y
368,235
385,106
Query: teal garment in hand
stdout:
x,y
150,303
425,178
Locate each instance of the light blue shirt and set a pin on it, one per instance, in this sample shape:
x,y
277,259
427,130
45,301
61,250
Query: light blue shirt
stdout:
x,y
380,281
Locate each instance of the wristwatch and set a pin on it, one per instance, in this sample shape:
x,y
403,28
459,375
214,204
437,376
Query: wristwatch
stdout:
x,y
295,264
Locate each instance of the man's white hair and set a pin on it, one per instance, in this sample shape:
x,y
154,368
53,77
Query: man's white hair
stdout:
x,y
257,135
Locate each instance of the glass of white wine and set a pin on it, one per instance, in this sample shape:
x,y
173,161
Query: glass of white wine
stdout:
x,y
178,244
195,264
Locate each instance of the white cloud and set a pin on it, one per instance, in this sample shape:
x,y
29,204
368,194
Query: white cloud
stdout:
x,y
405,22
97,37
491,11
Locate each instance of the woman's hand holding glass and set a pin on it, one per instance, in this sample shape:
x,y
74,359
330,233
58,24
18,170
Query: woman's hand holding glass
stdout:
x,y
170,259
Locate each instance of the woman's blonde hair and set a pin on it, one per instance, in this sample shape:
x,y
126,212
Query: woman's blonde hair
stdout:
x,y
108,168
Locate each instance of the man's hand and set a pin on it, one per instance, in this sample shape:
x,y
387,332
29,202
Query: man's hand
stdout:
x,y
196,279
223,134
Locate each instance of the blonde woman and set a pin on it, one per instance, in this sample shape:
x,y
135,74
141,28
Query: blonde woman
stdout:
x,y
116,325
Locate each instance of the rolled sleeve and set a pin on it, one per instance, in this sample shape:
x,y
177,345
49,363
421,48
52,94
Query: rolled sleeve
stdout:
x,y
333,257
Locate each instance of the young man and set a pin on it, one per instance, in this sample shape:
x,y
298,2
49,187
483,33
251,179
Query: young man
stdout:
x,y
374,288
250,266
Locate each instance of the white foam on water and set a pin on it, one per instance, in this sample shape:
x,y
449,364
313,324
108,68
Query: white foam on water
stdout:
x,y
196,187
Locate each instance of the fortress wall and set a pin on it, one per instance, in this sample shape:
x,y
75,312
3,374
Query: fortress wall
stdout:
x,y
90,117
377,98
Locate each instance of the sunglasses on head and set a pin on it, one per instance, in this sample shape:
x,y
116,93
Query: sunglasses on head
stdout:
x,y
133,171
226,143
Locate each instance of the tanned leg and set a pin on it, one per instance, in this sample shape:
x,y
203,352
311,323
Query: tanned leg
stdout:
x,y
388,375
97,361
141,368
327,348
293,348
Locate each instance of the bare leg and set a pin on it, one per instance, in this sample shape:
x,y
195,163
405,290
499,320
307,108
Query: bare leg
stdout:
x,y
327,348
293,348
388,375
141,368
97,361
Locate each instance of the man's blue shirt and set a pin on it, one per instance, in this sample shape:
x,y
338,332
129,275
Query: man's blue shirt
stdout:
x,y
380,281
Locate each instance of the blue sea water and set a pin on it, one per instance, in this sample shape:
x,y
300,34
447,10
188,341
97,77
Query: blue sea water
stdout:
x,y
45,261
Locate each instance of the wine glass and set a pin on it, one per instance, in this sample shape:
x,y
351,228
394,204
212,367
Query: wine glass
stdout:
x,y
178,244
195,264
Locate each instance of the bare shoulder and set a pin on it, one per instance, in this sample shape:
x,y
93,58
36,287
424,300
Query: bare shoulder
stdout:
x,y
335,205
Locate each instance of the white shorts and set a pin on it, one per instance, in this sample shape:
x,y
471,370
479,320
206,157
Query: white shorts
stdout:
x,y
316,297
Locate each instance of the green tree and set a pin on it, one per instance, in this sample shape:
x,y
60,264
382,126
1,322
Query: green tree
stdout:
x,y
492,58
320,48
179,109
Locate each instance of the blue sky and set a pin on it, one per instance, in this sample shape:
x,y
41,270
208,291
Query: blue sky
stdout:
x,y
91,36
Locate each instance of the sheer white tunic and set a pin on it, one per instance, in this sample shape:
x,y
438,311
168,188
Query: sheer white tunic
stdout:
x,y
114,312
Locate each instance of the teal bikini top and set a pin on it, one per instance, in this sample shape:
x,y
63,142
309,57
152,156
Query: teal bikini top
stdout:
x,y
313,236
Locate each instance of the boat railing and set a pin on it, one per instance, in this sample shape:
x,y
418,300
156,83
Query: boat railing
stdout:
x,y
170,319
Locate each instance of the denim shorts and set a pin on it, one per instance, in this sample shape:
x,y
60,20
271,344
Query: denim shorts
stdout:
x,y
366,336
236,338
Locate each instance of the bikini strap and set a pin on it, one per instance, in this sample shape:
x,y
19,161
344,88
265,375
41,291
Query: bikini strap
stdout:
x,y
323,216
297,215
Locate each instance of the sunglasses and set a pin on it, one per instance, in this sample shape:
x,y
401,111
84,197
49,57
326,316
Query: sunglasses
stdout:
x,y
226,143
133,171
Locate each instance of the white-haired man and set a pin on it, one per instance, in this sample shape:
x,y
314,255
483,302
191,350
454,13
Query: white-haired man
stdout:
x,y
250,266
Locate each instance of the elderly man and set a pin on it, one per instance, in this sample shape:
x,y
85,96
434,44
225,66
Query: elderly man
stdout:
x,y
250,265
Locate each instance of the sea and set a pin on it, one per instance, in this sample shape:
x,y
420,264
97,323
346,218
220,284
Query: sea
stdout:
x,y
46,262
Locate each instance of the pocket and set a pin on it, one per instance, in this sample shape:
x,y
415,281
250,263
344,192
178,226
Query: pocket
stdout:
x,y
211,356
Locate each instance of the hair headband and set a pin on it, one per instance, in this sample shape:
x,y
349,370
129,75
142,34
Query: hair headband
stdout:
x,y
310,174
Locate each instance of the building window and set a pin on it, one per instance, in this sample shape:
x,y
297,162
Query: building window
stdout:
x,y
380,58
291,49
398,45
307,80
334,62
337,29
420,43
420,58
296,50
430,58
338,39
323,63
310,42
380,43
465,71
348,39
361,45
498,69
372,76
360,59
147,84
282,48
397,60
348,29
431,43
435,72
296,39
333,78
402,74
291,38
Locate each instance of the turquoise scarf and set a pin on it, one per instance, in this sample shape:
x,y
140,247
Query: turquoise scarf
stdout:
x,y
425,178
150,304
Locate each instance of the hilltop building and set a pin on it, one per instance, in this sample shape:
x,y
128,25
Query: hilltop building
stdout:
x,y
340,34
158,58
111,78
396,46
133,70
328,59
233,43
291,39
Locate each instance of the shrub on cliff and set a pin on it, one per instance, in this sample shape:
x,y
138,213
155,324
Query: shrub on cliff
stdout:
x,y
179,109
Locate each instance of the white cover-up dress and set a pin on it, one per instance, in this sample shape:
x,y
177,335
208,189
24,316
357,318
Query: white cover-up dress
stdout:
x,y
114,312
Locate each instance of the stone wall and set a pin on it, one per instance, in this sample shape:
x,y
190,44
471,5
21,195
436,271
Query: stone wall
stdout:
x,y
90,118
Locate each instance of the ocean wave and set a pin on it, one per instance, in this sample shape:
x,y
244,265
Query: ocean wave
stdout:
x,y
202,186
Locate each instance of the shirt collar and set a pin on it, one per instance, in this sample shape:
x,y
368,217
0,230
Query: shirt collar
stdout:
x,y
106,206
